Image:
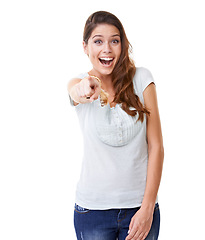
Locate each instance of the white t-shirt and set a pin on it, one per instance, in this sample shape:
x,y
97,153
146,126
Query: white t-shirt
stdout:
x,y
114,166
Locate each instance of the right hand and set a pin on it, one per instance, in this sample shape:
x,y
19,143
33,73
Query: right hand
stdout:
x,y
88,88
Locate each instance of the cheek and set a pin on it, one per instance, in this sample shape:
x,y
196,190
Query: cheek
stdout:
x,y
93,54
119,51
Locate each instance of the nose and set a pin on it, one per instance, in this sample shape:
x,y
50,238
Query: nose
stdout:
x,y
107,48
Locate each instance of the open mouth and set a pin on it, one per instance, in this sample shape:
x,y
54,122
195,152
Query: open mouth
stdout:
x,y
106,61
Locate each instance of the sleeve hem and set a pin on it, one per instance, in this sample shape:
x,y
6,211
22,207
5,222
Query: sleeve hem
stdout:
x,y
147,84
72,102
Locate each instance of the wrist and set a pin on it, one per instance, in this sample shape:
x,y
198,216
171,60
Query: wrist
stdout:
x,y
148,206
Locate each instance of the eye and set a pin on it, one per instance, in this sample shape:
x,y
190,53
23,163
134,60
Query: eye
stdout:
x,y
115,41
98,41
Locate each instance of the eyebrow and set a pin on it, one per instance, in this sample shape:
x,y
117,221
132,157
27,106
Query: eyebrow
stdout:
x,y
115,35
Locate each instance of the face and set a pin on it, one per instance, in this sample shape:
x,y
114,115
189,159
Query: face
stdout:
x,y
103,48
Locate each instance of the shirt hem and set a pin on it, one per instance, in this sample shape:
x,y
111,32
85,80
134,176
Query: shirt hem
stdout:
x,y
114,206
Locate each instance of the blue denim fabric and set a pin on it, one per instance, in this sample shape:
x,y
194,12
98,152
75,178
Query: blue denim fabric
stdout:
x,y
110,224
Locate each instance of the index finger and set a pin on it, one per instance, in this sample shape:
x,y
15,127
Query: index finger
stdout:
x,y
131,233
96,94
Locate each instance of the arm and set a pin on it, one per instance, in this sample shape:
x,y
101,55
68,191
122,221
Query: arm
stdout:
x,y
80,89
72,91
155,148
141,222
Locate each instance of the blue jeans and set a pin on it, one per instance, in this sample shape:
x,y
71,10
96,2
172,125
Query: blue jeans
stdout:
x,y
110,224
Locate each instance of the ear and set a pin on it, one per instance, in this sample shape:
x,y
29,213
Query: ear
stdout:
x,y
85,47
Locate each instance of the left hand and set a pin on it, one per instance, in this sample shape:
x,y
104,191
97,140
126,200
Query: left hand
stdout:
x,y
140,225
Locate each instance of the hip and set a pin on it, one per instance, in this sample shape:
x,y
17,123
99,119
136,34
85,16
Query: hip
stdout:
x,y
110,224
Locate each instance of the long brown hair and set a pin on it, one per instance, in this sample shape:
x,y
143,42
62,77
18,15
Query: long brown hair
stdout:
x,y
124,70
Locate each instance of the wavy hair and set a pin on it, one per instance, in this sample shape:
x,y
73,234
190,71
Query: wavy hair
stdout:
x,y
124,70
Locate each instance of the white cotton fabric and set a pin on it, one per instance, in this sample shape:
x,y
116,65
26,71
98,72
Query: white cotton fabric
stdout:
x,y
114,166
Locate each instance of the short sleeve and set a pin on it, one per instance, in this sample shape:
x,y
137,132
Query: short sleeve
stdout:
x,y
141,81
71,101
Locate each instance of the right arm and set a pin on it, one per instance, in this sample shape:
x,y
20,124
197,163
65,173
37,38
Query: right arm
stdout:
x,y
84,90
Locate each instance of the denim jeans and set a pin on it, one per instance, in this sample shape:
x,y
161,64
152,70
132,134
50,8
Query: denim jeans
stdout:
x,y
110,224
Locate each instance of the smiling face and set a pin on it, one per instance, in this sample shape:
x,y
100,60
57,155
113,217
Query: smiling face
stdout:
x,y
103,48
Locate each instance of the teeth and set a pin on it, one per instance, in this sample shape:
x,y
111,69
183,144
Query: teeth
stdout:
x,y
106,59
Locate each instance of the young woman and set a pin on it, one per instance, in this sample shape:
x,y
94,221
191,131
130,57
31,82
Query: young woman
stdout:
x,y
116,104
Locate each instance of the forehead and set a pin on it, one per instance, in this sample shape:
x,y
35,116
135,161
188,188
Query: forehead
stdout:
x,y
105,30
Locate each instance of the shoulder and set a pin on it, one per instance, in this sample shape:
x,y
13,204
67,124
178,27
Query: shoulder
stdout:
x,y
79,77
142,75
142,71
82,75
142,79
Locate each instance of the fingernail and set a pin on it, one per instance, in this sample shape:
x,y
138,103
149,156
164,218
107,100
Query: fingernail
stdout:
x,y
128,232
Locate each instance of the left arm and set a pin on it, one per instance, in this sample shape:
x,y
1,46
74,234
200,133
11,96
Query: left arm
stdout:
x,y
141,222
155,148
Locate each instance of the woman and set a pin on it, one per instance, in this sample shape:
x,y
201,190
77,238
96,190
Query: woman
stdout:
x,y
116,104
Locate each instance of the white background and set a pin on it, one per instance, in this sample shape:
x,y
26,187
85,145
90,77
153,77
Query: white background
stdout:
x,y
40,140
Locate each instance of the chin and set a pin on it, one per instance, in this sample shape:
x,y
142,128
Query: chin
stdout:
x,y
105,72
